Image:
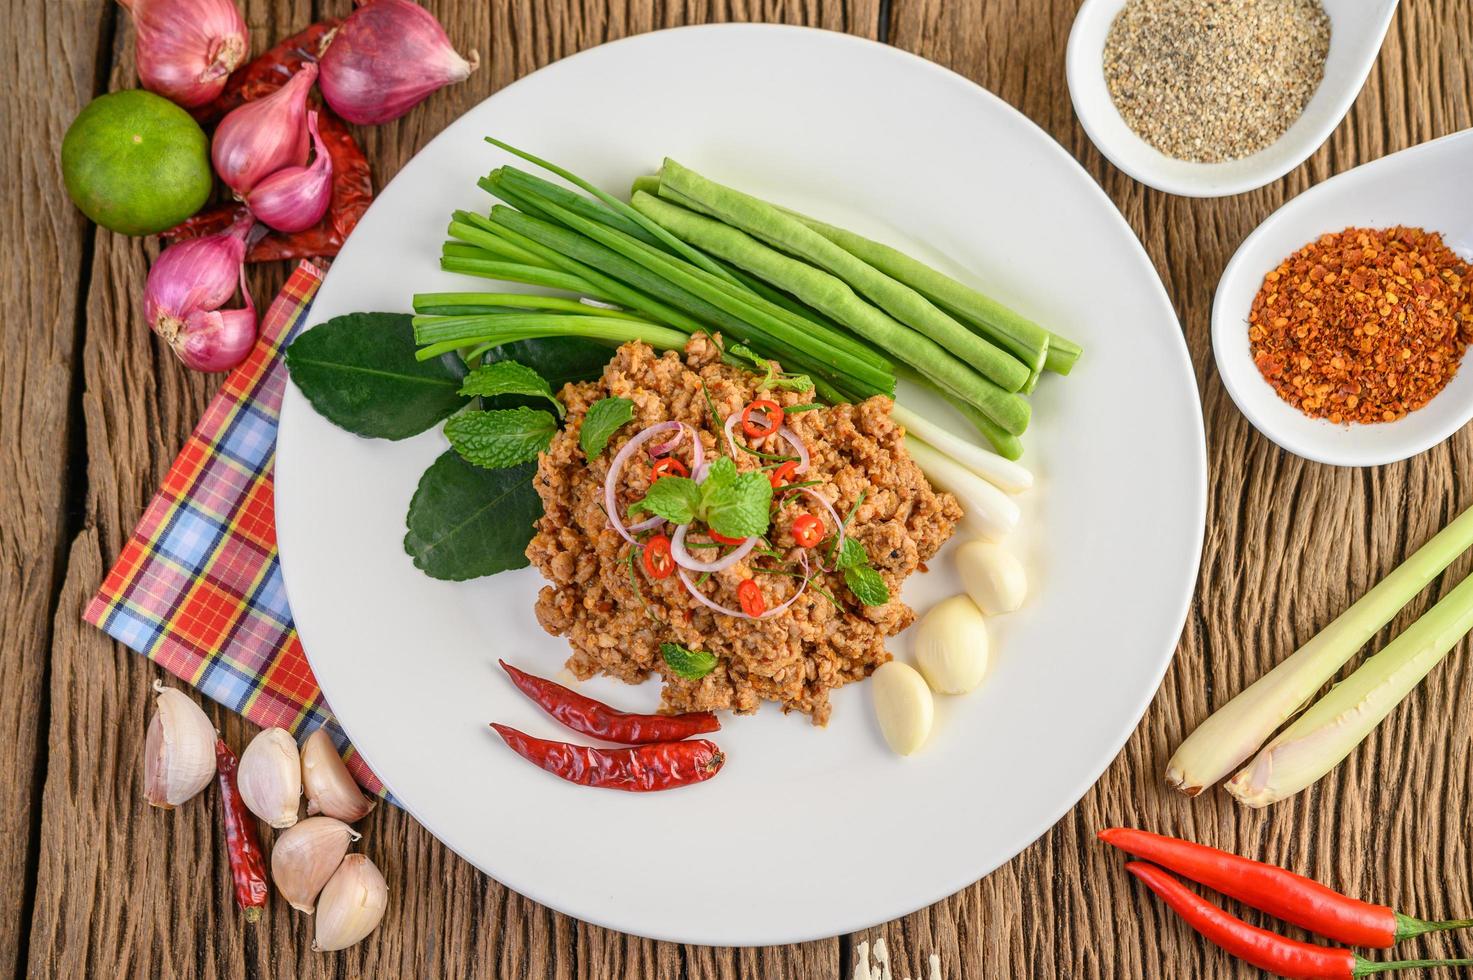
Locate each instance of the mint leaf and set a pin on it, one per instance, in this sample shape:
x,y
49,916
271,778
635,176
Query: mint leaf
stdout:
x,y
789,382
690,665
675,498
358,371
604,417
719,474
465,521
749,355
867,585
505,437
739,507
852,555
508,378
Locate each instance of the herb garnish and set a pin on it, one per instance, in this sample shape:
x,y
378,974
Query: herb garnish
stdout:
x,y
866,584
732,503
773,379
603,418
690,665
509,378
504,437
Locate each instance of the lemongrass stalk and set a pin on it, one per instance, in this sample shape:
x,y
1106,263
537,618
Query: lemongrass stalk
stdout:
x,y
1236,730
1004,474
986,508
1321,738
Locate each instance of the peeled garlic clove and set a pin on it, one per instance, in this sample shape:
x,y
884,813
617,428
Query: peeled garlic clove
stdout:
x,y
270,777
992,577
951,645
330,788
351,904
179,750
305,857
903,706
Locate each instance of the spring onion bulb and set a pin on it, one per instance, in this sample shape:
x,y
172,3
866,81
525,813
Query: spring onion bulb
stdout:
x,y
1325,734
1236,730
1002,473
987,508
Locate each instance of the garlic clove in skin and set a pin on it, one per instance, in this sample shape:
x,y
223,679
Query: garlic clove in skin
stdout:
x,y
903,706
270,777
330,787
179,751
387,58
951,645
992,577
351,904
257,139
305,856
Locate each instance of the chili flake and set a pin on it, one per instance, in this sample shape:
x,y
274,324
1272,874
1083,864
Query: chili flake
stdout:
x,y
1364,325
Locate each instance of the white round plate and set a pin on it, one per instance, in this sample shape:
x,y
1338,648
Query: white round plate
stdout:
x,y
807,832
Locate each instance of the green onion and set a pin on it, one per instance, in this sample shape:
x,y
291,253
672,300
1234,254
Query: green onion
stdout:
x,y
1330,730
471,303
766,222
514,272
1235,731
445,334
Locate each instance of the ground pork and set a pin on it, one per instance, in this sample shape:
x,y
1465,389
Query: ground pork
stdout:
x,y
793,658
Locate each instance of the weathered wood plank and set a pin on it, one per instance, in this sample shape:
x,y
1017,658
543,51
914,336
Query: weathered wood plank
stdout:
x,y
43,233
1289,544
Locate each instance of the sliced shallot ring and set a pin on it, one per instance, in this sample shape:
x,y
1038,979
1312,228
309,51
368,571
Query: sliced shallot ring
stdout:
x,y
728,611
833,515
685,559
797,444
611,497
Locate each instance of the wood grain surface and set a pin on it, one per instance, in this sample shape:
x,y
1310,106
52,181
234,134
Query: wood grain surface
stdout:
x,y
92,410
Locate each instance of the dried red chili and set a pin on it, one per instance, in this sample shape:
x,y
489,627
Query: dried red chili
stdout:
x,y
352,191
641,769
1364,325
268,71
589,717
247,862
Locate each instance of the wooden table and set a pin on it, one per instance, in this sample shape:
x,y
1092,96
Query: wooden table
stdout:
x,y
93,884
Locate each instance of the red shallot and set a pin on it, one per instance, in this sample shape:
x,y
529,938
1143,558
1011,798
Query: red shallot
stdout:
x,y
611,482
186,49
685,559
261,137
186,287
295,198
388,56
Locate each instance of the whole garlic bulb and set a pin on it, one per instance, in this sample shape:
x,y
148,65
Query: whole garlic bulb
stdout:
x,y
992,576
179,750
951,645
330,787
270,777
351,904
306,855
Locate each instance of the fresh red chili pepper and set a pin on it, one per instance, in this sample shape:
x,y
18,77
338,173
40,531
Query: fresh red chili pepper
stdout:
x,y
589,717
247,862
352,191
655,557
669,466
749,595
269,71
807,530
1282,894
723,539
772,418
1265,950
638,769
784,474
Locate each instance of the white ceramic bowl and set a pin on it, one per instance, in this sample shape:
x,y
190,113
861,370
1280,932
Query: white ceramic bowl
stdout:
x,y
1356,30
1427,186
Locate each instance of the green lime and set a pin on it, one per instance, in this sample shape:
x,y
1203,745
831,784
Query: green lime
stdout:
x,y
136,163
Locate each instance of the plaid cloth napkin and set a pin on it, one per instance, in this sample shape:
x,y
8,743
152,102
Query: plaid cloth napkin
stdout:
x,y
198,587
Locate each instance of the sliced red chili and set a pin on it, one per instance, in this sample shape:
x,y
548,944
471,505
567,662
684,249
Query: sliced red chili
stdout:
x,y
656,557
772,419
723,539
749,594
784,474
669,466
807,530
